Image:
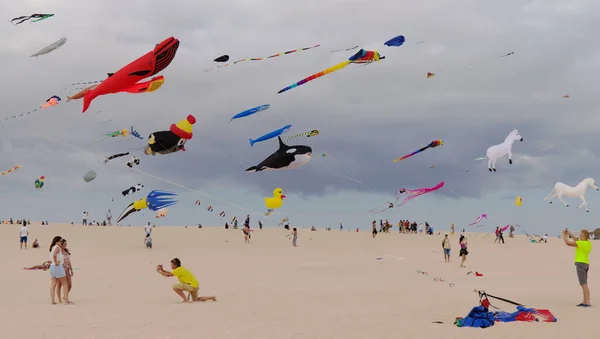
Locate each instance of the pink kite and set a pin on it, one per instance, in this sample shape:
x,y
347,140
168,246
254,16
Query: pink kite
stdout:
x,y
411,195
481,217
504,228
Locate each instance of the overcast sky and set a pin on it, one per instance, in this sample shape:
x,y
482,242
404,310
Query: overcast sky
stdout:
x,y
367,115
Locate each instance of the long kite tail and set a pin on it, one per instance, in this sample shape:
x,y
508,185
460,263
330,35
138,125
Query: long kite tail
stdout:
x,y
317,75
411,154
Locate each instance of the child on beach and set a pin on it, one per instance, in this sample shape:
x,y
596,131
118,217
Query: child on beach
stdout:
x,y
36,244
294,236
148,241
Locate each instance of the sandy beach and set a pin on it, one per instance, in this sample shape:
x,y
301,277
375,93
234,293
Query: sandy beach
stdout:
x,y
331,286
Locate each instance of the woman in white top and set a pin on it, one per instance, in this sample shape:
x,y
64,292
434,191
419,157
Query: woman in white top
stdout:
x,y
57,270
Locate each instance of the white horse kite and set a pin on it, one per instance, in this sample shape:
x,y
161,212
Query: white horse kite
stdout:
x,y
578,191
498,151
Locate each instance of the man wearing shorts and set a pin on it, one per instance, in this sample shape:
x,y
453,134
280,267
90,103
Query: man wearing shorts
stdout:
x,y
446,247
583,247
24,234
187,281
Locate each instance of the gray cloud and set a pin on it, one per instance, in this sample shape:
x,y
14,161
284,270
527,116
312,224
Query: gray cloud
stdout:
x,y
367,115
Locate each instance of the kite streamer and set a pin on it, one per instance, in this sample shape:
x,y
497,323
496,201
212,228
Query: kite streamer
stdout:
x,y
38,17
479,219
361,57
432,144
265,58
12,170
411,195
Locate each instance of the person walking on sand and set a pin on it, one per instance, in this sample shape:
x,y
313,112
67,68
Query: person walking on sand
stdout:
x,y
67,266
374,229
497,235
463,251
187,281
452,229
294,236
148,228
85,215
24,234
446,247
57,271
583,247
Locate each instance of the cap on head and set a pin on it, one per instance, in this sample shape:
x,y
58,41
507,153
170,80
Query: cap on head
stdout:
x,y
183,129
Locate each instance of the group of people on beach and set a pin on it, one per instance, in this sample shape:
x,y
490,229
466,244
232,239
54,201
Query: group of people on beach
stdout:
x,y
61,270
404,226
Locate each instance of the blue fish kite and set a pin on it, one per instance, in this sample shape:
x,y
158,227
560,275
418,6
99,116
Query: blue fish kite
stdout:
x,y
271,135
250,112
395,42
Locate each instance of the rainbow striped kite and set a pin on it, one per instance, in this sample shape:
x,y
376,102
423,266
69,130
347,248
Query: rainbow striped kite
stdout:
x,y
432,144
361,57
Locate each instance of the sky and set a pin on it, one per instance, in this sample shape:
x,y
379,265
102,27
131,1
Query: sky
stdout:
x,y
367,115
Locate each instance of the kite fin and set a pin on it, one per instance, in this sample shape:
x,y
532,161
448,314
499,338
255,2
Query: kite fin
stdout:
x,y
251,169
88,97
252,142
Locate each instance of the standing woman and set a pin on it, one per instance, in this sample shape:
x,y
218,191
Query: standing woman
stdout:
x,y
294,236
463,251
57,270
67,266
583,247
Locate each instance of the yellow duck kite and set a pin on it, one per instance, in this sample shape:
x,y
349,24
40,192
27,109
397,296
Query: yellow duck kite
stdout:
x,y
274,202
519,201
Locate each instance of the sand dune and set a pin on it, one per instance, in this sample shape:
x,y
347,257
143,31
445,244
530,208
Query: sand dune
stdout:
x,y
331,286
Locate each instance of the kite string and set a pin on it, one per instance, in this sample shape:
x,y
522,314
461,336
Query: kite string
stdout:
x,y
141,172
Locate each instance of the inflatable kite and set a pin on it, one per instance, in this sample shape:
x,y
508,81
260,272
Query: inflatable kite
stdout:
x,y
11,170
134,161
161,213
432,144
250,111
132,190
154,201
38,17
89,176
411,195
146,86
395,42
498,151
50,47
52,101
142,87
265,58
361,57
173,140
81,93
107,159
143,67
274,202
578,191
519,201
285,158
479,219
222,58
198,202
39,183
271,135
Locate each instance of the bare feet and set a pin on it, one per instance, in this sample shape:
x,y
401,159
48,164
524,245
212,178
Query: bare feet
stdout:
x,y
69,303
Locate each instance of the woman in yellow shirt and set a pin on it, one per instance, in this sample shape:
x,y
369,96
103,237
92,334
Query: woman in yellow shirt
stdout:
x,y
187,281
583,247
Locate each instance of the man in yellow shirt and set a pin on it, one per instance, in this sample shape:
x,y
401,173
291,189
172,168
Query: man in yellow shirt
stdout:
x,y
187,281
583,247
